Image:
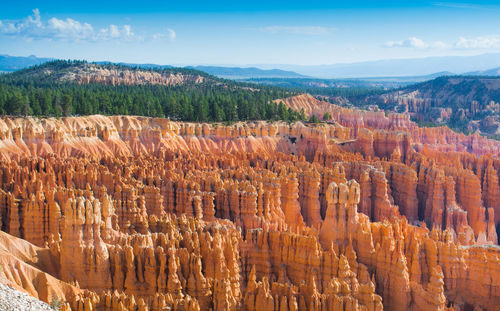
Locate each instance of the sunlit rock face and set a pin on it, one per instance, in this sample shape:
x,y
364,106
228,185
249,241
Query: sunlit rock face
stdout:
x,y
135,213
85,73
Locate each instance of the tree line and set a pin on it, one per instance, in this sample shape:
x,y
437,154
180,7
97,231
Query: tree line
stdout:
x,y
214,101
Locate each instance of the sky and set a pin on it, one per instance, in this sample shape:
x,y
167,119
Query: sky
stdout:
x,y
246,33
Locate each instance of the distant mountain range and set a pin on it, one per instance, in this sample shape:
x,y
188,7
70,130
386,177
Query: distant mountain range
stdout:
x,y
489,72
390,70
13,63
371,82
247,72
397,67
228,72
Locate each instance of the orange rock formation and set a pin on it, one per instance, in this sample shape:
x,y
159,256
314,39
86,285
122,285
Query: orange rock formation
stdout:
x,y
135,213
95,73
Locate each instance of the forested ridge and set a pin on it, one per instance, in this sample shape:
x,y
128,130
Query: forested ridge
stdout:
x,y
31,92
348,88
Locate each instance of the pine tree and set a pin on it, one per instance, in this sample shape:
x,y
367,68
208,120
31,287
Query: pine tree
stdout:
x,y
67,104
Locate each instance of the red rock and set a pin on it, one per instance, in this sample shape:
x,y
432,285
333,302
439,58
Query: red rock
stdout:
x,y
133,213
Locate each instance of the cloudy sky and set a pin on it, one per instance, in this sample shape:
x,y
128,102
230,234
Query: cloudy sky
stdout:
x,y
244,33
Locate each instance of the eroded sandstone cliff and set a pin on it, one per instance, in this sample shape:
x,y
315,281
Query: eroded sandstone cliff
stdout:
x,y
134,213
116,75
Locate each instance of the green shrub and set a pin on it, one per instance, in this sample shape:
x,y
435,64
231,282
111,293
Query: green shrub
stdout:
x,y
55,302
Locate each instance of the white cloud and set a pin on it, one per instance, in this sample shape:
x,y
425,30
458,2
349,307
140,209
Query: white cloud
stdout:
x,y
486,42
416,43
68,29
113,32
31,24
439,45
170,34
478,43
33,28
297,30
158,36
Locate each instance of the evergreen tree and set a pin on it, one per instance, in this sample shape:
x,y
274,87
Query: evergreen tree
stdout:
x,y
314,119
66,104
282,111
302,114
26,92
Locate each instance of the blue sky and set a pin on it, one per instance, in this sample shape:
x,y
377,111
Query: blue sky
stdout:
x,y
246,33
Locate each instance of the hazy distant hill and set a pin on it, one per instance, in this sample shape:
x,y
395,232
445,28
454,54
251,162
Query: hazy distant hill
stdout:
x,y
59,87
407,79
248,72
13,63
115,74
466,103
375,82
308,83
397,67
489,72
389,70
145,66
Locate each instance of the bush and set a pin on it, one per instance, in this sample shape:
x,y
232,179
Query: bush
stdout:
x,y
314,119
55,302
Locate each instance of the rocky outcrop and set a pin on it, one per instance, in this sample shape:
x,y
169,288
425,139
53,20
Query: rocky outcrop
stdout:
x,y
448,100
347,117
10,299
132,213
116,75
441,138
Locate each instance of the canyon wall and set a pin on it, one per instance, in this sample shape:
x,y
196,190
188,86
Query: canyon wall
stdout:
x,y
465,102
441,138
136,213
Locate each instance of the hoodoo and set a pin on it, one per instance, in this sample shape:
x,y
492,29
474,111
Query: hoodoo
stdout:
x,y
136,213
